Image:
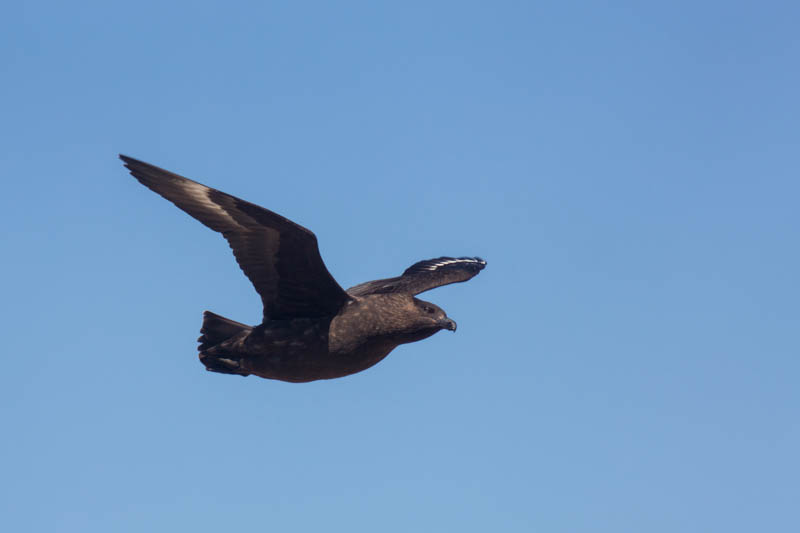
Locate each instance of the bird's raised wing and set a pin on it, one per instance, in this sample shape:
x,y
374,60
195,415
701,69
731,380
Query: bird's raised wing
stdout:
x,y
424,276
279,257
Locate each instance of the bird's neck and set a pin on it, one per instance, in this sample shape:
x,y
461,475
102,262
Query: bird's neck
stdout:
x,y
373,319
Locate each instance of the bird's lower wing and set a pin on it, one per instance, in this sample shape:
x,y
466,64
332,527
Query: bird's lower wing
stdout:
x,y
424,276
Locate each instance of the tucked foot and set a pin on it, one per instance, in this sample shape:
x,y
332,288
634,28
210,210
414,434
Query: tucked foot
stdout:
x,y
223,365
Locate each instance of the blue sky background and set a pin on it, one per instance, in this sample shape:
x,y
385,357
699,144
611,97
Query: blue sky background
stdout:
x,y
628,361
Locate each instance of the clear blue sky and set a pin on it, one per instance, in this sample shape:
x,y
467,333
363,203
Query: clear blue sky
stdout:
x,y
628,361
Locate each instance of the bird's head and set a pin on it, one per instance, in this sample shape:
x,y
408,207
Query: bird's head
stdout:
x,y
400,317
431,316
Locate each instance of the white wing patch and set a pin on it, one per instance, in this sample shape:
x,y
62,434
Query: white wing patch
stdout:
x,y
201,195
461,260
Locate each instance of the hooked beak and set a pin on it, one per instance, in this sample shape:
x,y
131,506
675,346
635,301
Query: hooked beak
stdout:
x,y
447,323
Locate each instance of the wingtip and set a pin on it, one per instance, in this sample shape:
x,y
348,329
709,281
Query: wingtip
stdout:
x,y
476,262
128,160
135,166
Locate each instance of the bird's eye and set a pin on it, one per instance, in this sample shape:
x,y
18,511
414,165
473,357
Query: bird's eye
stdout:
x,y
428,310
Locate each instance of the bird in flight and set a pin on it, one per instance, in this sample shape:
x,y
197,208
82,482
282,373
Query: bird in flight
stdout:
x,y
311,328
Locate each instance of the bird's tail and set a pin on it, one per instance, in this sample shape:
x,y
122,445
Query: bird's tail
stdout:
x,y
217,329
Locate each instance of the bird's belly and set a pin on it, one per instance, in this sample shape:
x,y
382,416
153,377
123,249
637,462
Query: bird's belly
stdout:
x,y
309,359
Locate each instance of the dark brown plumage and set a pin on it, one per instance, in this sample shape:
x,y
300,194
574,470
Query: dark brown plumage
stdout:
x,y
311,328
